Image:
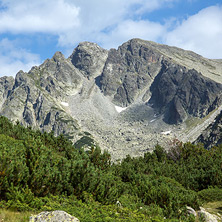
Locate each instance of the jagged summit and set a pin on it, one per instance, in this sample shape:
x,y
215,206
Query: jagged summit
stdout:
x,y
210,68
58,56
127,99
89,58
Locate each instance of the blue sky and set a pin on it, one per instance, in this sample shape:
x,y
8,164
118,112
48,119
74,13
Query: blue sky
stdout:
x,y
31,32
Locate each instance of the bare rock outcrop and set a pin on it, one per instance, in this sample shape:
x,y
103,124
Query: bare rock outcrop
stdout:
x,y
129,72
178,92
212,135
206,216
35,98
54,216
6,85
89,58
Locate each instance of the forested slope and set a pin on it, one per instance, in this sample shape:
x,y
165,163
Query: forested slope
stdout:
x,y
41,172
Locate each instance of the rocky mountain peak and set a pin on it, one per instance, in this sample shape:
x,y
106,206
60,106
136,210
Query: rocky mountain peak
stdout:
x,y
129,72
129,98
89,58
58,56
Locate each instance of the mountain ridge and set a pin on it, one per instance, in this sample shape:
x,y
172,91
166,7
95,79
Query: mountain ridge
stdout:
x,y
162,89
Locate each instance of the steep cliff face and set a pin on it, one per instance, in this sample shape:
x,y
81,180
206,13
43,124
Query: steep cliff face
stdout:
x,y
137,71
36,97
125,98
6,84
129,72
212,135
178,92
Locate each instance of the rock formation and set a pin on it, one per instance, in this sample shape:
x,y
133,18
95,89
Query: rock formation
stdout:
x,y
126,99
206,216
179,92
54,216
203,215
212,135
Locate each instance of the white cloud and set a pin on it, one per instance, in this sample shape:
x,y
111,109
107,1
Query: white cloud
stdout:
x,y
110,22
94,16
145,6
13,58
72,20
200,33
133,29
38,16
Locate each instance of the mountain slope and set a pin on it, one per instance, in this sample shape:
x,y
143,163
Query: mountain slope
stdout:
x,y
212,135
127,99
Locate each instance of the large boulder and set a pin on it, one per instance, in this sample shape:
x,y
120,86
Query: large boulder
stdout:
x,y
206,216
54,216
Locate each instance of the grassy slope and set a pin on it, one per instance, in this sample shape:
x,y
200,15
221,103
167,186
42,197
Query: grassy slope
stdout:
x,y
12,216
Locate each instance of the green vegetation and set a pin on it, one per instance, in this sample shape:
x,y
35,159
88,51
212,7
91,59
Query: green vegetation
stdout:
x,y
210,195
214,207
11,216
41,172
84,141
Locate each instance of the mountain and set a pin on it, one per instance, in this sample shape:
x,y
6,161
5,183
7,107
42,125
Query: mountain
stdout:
x,y
212,135
126,99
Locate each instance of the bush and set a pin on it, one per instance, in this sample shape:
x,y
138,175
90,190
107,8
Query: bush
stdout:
x,y
43,172
13,168
166,193
210,194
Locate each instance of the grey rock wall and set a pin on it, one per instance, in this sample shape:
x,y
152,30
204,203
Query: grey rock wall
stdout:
x,y
178,92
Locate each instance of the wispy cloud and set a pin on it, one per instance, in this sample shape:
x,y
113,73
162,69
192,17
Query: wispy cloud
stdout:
x,y
129,29
13,58
200,33
72,20
144,6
